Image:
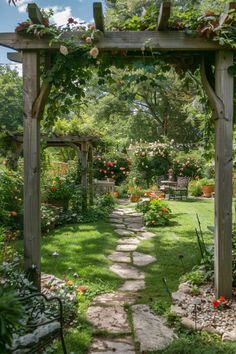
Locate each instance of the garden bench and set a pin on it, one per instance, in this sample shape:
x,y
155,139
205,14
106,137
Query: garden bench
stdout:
x,y
43,323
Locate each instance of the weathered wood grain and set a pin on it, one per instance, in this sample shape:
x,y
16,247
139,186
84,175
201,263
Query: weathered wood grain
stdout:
x,y
90,175
16,57
164,15
223,169
32,220
98,16
116,41
35,14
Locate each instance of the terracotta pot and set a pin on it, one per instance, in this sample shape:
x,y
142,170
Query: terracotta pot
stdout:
x,y
134,198
116,194
208,190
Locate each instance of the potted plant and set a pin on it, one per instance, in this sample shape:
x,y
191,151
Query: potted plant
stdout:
x,y
208,187
135,193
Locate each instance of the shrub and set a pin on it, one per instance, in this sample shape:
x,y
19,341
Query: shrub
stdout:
x,y
115,166
156,212
11,312
11,195
195,188
60,188
189,165
106,201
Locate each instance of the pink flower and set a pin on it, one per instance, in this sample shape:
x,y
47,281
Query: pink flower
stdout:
x,y
88,40
122,168
94,52
64,50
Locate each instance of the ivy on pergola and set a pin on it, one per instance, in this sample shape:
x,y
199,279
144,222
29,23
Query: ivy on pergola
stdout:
x,y
218,85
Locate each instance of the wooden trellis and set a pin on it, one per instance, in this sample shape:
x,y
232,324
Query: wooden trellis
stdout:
x,y
219,90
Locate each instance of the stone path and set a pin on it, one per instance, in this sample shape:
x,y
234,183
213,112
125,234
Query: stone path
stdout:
x,y
108,312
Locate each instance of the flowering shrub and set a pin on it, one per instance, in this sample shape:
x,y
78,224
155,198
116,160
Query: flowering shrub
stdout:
x,y
60,188
152,159
187,165
156,212
114,166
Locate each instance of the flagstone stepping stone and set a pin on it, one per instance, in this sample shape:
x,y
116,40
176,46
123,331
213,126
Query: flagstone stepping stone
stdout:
x,y
121,257
121,226
112,319
116,221
132,285
128,241
141,259
122,345
114,299
123,232
137,227
146,235
126,271
136,230
136,220
126,248
150,330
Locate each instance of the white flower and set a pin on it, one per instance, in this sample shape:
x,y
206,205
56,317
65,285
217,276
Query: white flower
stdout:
x,y
94,52
64,50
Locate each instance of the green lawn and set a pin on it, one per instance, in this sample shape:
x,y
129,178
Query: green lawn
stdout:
x,y
84,248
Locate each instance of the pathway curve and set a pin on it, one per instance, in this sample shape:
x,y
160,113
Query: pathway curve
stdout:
x,y
108,312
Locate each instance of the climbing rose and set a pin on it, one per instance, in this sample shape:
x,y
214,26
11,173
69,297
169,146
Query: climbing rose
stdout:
x,y
94,52
64,50
88,40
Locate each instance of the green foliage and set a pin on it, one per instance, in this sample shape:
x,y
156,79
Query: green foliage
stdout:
x,y
106,202
11,194
59,189
195,188
112,165
195,277
11,313
156,212
189,165
11,100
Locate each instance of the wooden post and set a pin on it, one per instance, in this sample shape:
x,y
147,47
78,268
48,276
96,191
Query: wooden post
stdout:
x,y
223,168
90,177
84,174
32,227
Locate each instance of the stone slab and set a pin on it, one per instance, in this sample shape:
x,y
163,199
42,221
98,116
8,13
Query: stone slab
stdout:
x,y
150,330
127,272
120,257
121,226
116,221
114,299
126,248
122,345
128,241
112,319
132,285
123,232
146,235
136,226
134,220
141,259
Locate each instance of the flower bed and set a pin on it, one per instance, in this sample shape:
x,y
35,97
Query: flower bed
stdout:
x,y
156,212
204,312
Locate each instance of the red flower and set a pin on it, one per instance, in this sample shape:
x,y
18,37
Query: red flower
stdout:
x,y
72,20
164,210
215,303
222,299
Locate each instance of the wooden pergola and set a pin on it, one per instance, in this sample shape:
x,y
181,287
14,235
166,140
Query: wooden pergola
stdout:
x,y
83,146
220,92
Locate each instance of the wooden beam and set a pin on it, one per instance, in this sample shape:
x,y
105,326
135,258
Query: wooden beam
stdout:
x,y
120,41
223,169
16,57
98,16
35,14
32,223
90,175
215,102
164,15
41,100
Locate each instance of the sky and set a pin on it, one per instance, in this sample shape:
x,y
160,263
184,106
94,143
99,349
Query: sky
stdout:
x,y
10,16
